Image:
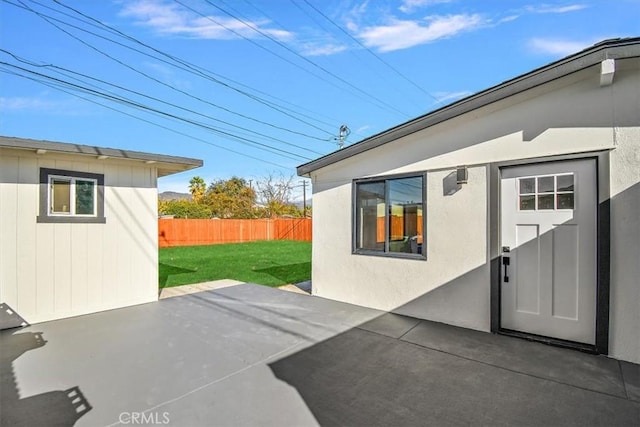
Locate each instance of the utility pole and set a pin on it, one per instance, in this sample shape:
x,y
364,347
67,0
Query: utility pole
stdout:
x,y
304,198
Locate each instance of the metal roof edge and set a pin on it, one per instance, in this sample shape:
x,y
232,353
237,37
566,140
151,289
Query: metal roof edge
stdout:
x,y
606,49
70,148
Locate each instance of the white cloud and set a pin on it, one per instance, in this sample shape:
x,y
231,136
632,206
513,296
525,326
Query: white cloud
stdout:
x,y
546,8
25,104
403,34
168,75
443,97
558,47
172,19
310,49
42,104
353,16
409,6
508,18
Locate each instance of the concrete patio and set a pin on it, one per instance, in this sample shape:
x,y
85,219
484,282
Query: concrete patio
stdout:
x,y
249,355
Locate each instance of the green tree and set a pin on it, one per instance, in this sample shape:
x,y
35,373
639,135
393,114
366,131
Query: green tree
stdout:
x,y
184,209
197,188
230,198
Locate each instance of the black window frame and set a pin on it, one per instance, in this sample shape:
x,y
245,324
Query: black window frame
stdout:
x,y
44,215
354,217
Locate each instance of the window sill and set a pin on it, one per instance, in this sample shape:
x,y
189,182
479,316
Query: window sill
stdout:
x,y
71,219
400,255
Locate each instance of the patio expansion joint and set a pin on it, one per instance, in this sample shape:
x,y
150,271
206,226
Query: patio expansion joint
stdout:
x,y
626,397
410,329
624,383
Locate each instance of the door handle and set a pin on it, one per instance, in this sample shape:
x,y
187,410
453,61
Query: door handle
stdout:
x,y
505,262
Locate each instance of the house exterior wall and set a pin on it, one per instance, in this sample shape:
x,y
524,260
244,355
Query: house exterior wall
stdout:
x,y
55,270
573,115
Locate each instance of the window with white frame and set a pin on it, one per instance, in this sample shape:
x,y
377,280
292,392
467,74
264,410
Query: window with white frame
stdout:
x,y
69,196
72,196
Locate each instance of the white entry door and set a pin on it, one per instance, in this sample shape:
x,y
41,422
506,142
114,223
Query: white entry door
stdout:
x,y
549,249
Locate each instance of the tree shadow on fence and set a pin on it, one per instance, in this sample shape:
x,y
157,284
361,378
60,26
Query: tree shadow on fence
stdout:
x,y
289,273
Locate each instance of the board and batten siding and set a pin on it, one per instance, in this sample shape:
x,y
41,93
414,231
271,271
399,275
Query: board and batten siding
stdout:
x,y
56,270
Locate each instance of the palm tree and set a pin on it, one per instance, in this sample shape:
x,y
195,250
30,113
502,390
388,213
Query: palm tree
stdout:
x,y
197,188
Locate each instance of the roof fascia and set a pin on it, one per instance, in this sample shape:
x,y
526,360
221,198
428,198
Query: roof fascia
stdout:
x,y
170,164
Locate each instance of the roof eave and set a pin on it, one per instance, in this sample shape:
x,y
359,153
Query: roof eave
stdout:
x,y
165,164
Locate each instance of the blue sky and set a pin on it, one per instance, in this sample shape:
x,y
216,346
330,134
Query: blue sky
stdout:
x,y
259,86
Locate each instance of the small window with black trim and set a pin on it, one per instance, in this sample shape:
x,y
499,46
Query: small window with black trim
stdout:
x,y
389,216
69,196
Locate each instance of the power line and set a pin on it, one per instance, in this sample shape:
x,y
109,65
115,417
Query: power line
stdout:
x,y
199,71
193,68
355,53
284,46
165,114
189,67
395,70
154,123
66,70
252,27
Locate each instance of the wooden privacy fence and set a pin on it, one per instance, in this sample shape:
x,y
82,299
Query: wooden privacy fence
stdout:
x,y
189,232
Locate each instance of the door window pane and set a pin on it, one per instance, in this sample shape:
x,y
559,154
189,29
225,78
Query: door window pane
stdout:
x,y
527,203
565,201
565,183
527,185
546,184
60,195
546,201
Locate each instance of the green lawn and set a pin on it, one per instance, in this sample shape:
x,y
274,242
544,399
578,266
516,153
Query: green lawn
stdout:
x,y
270,263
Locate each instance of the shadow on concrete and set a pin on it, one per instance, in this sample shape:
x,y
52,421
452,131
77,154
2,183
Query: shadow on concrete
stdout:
x,y
399,370
59,407
396,370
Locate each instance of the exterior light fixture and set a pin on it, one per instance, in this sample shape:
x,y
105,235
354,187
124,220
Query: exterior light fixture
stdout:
x,y
462,175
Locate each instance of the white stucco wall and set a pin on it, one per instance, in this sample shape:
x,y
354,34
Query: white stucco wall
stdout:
x,y
572,115
51,271
624,173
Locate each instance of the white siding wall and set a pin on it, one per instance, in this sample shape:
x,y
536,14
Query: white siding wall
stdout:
x,y
572,115
50,271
